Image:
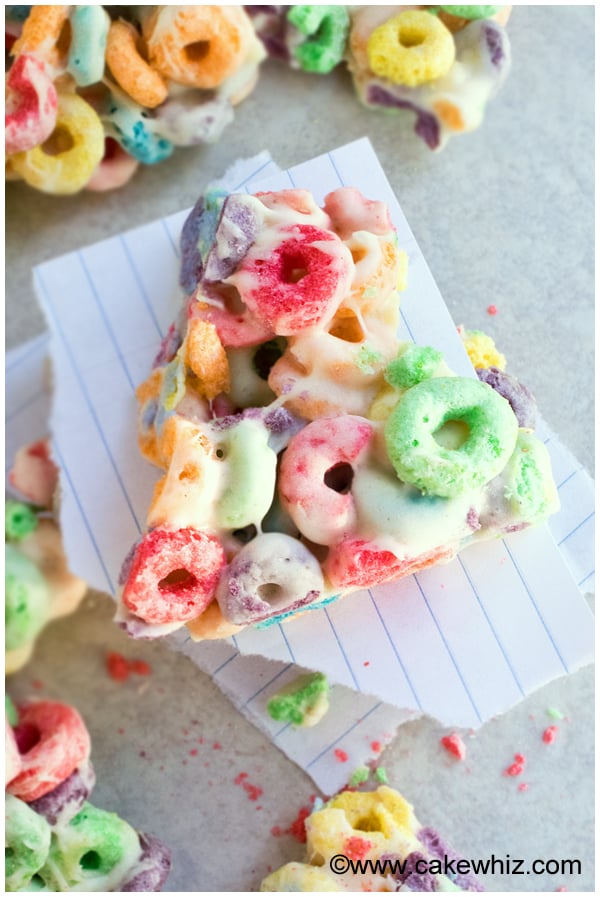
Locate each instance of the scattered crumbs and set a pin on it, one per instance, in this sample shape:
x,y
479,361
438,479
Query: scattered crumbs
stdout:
x,y
359,775
356,848
258,807
297,829
492,310
217,746
140,667
523,786
381,775
367,663
253,791
142,754
201,740
376,746
549,734
120,731
37,684
553,713
340,755
194,752
516,768
454,745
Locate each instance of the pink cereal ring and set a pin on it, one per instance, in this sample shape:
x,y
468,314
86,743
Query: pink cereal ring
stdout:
x,y
316,476
173,575
299,283
350,211
53,741
234,328
115,169
31,105
359,564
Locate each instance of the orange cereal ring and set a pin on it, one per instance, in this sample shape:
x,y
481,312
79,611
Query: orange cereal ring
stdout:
x,y
45,34
205,355
129,68
199,46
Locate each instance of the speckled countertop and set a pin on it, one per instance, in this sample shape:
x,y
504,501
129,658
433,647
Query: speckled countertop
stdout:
x,y
504,216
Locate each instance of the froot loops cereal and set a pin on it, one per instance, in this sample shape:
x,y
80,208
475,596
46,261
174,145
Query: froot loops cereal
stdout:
x,y
378,826
306,452
38,584
55,839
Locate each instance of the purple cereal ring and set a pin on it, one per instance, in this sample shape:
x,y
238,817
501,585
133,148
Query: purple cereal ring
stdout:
x,y
66,800
152,868
518,396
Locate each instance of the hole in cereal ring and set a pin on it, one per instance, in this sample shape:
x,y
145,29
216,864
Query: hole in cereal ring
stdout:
x,y
266,355
91,860
358,254
411,38
64,38
271,592
232,301
37,883
245,534
27,736
221,452
59,141
346,326
198,51
293,267
452,435
339,477
178,581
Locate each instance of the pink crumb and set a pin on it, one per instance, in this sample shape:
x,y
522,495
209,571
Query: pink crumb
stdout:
x,y
356,848
217,746
454,745
367,663
341,755
117,666
523,786
297,829
376,746
194,752
492,310
516,768
121,731
549,734
253,791
140,667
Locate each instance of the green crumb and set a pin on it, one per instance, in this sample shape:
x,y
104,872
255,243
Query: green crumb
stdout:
x,y
381,775
367,359
19,520
553,713
303,702
359,776
416,364
11,711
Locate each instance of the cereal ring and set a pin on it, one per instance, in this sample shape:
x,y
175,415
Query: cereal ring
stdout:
x,y
115,169
327,28
350,211
199,46
316,475
89,32
360,564
297,284
481,349
27,842
53,741
516,394
45,549
130,70
417,363
31,105
26,599
529,485
92,853
173,575
423,410
63,802
12,757
206,358
411,48
472,12
250,479
34,474
80,130
45,34
125,121
189,119
235,325
271,574
212,625
19,520
151,869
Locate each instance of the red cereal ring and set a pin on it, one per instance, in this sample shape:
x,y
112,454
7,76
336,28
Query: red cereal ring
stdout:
x,y
359,564
173,575
234,328
299,283
31,105
53,741
316,474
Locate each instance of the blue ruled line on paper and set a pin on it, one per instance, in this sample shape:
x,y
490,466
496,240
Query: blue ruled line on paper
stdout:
x,y
270,682
225,662
287,644
343,735
395,650
575,528
24,405
33,348
139,282
341,647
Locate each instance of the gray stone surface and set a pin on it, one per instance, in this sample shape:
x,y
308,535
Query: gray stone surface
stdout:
x,y
505,217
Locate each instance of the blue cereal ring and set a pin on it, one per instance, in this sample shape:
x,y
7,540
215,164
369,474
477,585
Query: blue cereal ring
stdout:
x,y
89,30
424,409
126,123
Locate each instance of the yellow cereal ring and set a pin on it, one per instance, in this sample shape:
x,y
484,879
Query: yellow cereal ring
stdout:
x,y
199,46
130,70
45,34
67,170
411,48
212,624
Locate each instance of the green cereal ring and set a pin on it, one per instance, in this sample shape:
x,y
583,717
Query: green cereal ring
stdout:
x,y
11,711
416,364
530,488
471,12
27,840
19,520
26,599
91,853
422,411
327,27
251,472
303,703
